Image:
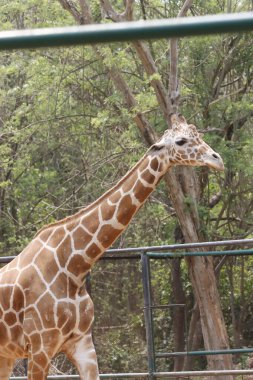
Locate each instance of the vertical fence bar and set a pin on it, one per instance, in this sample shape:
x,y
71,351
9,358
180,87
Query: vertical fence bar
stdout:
x,y
145,265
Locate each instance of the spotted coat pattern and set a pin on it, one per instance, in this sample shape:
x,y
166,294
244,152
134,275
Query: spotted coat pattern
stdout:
x,y
44,306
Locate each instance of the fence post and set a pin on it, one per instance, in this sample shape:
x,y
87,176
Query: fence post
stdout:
x,y
145,264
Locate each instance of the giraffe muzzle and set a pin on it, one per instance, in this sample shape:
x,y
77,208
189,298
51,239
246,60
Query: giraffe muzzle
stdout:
x,y
214,161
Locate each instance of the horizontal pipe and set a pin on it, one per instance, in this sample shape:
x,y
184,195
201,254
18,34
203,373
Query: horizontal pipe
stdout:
x,y
204,353
235,252
158,251
155,374
174,247
126,31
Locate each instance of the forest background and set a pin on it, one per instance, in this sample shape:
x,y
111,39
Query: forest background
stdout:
x,y
72,122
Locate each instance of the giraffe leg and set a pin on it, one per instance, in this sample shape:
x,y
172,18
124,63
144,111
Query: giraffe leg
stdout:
x,y
83,355
38,366
6,366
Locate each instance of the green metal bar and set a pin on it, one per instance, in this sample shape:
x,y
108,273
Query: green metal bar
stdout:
x,y
201,353
137,375
126,31
235,252
148,315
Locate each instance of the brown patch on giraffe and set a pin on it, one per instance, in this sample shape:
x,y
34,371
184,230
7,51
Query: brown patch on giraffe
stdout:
x,y
36,341
148,177
5,297
16,332
81,238
93,251
32,284
45,307
4,338
47,265
18,299
78,265
12,347
60,286
41,359
86,311
50,338
91,221
66,317
44,234
125,211
10,318
34,369
71,225
70,322
154,164
64,250
26,256
161,167
107,234
57,236
9,276
141,192
107,211
32,321
129,183
115,197
143,165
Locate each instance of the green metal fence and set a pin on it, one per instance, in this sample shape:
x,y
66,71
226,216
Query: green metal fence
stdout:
x,y
168,252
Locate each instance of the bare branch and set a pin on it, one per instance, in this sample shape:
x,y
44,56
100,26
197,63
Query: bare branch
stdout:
x,y
144,55
69,6
150,67
174,83
86,12
114,74
127,15
186,6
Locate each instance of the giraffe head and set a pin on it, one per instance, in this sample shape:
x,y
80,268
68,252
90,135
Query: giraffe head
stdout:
x,y
184,146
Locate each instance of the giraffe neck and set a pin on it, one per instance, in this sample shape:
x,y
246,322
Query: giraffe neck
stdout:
x,y
81,239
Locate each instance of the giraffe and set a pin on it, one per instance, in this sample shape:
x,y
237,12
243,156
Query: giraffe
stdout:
x,y
44,306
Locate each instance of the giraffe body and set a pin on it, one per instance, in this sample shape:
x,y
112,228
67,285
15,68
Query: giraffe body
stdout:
x,y
44,306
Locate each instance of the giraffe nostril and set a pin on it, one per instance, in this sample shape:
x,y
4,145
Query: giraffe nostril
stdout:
x,y
215,155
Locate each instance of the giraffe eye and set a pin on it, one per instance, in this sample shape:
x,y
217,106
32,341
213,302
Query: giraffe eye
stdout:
x,y
181,141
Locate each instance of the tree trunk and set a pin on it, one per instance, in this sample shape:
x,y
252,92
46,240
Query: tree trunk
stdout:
x,y
179,327
178,313
201,269
212,321
194,338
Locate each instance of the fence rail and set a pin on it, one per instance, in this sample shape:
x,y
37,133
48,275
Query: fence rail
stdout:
x,y
167,252
156,251
126,31
137,375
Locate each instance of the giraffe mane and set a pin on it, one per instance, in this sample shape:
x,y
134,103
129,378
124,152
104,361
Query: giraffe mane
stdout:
x,y
93,204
